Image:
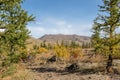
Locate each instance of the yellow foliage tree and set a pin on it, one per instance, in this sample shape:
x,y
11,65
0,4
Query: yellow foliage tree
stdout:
x,y
61,52
76,53
43,50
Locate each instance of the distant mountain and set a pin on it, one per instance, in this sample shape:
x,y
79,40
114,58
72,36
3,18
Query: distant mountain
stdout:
x,y
66,38
32,41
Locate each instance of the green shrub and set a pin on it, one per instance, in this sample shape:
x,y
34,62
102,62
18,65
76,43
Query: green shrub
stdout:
x,y
14,58
9,71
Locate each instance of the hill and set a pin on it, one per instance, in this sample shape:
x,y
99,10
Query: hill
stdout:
x,y
31,41
65,38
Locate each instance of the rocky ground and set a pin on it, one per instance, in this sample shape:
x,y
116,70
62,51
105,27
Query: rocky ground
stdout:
x,y
86,71
74,76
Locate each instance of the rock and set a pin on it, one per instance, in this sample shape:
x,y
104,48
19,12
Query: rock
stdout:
x,y
89,77
52,59
73,67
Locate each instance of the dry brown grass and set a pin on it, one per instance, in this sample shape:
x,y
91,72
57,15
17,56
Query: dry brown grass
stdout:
x,y
21,74
42,57
95,58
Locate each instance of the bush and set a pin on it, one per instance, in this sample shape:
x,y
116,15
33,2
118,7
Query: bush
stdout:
x,y
42,50
9,71
10,60
75,53
61,52
15,58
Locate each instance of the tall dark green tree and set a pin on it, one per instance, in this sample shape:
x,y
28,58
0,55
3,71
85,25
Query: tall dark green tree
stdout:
x,y
106,29
96,40
13,19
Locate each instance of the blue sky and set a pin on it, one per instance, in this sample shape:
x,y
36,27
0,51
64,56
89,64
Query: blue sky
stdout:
x,y
61,16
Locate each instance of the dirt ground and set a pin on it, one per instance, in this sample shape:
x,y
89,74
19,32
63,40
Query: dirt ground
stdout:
x,y
90,68
56,71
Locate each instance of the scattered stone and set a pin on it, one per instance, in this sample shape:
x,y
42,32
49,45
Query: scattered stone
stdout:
x,y
89,77
52,59
73,67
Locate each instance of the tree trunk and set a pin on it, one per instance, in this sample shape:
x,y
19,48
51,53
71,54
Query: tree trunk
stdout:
x,y
110,59
109,64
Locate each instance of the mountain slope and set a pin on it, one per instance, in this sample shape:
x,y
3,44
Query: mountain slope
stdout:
x,y
66,38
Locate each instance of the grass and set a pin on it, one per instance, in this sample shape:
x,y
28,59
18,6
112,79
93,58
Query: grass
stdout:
x,y
17,72
22,75
9,71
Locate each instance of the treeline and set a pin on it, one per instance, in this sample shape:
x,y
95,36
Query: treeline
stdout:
x,y
67,44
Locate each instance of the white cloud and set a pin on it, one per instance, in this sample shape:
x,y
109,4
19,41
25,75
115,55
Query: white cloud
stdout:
x,y
36,31
56,21
2,30
39,23
58,26
69,26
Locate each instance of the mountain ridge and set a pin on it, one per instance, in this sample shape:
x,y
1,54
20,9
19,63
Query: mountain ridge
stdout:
x,y
52,38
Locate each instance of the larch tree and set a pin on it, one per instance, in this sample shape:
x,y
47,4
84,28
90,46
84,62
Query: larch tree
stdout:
x,y
13,20
106,29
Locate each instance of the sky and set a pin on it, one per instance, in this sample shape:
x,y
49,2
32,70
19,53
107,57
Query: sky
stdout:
x,y
61,16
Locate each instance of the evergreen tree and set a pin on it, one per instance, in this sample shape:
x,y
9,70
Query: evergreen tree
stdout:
x,y
73,44
44,44
106,28
13,19
62,43
96,40
49,46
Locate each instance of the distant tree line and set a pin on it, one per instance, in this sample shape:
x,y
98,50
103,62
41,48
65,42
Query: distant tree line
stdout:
x,y
67,44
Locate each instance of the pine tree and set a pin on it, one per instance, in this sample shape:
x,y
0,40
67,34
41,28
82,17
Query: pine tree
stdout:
x,y
13,19
73,44
96,40
106,27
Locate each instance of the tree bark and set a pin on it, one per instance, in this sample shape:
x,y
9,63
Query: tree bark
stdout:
x,y
109,64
